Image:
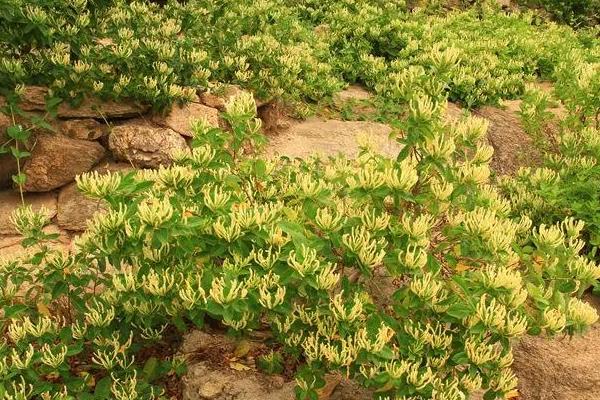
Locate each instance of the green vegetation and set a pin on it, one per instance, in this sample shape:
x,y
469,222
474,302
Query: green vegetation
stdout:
x,y
298,50
226,236
567,184
577,13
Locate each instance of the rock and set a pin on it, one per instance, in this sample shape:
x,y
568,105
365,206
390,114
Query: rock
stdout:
x,y
352,93
219,377
94,108
10,200
56,160
221,95
210,390
206,382
513,147
10,245
74,208
34,99
180,118
84,129
8,168
330,137
562,368
273,117
143,145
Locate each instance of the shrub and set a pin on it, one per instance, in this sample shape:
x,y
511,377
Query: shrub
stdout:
x,y
295,50
288,245
577,13
567,184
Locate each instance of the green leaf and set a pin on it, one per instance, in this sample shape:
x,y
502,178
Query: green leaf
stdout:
x,y
295,230
260,168
19,179
14,311
17,132
102,390
458,310
150,369
18,154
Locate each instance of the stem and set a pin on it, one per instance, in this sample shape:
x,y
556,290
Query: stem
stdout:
x,y
14,122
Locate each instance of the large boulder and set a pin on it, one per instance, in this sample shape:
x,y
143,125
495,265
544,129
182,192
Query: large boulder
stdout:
x,y
181,117
562,368
144,145
10,200
56,160
330,137
75,209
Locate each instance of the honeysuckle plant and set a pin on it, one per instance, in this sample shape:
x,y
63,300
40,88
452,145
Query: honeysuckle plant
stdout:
x,y
565,185
294,50
288,246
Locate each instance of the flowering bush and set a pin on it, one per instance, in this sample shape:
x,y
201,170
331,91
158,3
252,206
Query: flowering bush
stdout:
x,y
288,246
566,185
296,50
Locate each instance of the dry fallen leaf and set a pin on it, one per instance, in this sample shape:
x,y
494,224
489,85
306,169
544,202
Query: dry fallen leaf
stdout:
x,y
242,348
461,267
238,367
43,309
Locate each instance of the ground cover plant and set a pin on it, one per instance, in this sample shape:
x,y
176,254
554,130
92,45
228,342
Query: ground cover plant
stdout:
x,y
566,185
294,50
288,246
